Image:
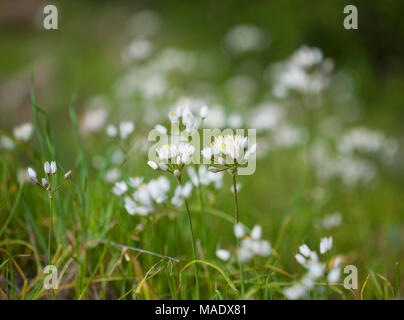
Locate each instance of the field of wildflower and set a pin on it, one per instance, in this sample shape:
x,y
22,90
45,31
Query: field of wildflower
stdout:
x,y
178,150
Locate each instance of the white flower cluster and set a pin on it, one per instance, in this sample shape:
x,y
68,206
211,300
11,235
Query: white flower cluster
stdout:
x,y
246,37
369,141
229,150
180,153
329,221
126,128
185,114
49,168
252,244
181,193
305,71
351,169
316,269
145,197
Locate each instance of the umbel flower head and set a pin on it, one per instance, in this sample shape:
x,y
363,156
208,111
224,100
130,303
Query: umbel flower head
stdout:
x,y
250,245
230,152
316,269
146,196
47,184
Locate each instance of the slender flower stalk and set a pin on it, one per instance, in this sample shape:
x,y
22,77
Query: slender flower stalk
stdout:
x,y
194,252
236,223
47,184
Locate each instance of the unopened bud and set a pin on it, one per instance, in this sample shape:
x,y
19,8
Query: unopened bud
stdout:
x,y
68,174
44,182
213,169
177,173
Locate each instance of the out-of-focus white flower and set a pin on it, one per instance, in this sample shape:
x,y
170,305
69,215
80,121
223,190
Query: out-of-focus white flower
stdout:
x,y
305,250
147,195
112,131
350,169
204,112
329,221
181,193
158,189
135,182
118,157
256,232
266,116
205,177
239,231
315,270
32,175
216,118
161,129
132,208
246,37
138,49
23,132
120,188
288,136
334,275
251,245
295,292
325,244
300,259
112,175
126,128
223,254
189,112
6,143
305,71
94,120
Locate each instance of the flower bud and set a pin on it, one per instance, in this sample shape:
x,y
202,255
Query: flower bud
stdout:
x,y
204,112
152,164
53,167
47,167
44,182
213,169
177,173
32,175
68,174
163,166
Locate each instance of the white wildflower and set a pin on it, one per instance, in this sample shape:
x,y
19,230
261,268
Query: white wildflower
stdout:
x,y
126,128
112,131
120,188
23,132
223,254
325,244
239,231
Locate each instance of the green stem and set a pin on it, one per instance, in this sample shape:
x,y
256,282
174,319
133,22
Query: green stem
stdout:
x,y
50,239
193,248
50,231
236,220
